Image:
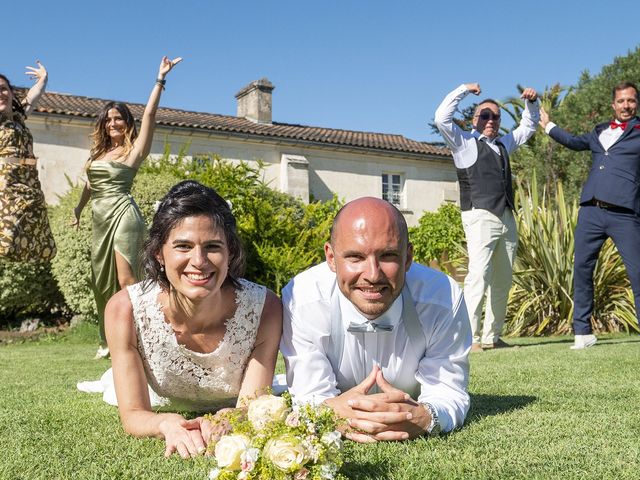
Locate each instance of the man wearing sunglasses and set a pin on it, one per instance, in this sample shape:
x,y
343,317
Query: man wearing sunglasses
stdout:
x,y
609,203
481,157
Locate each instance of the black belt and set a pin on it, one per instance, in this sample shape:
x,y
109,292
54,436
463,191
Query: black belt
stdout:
x,y
608,206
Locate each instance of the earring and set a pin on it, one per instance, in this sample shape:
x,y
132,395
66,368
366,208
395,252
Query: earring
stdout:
x,y
162,268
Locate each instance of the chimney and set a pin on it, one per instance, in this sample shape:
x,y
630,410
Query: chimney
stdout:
x,y
254,101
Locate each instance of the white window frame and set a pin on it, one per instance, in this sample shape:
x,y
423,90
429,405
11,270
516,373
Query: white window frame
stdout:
x,y
394,192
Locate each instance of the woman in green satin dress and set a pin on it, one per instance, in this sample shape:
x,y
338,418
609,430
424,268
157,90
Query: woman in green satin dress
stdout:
x,y
118,228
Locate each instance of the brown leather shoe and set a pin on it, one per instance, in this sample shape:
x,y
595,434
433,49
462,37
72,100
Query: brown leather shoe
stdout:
x,y
476,347
499,344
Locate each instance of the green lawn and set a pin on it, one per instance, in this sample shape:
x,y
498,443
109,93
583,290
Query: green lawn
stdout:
x,y
538,411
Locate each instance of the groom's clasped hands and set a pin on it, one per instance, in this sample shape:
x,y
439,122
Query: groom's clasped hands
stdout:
x,y
389,415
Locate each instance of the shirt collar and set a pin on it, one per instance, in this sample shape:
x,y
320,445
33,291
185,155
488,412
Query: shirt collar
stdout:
x,y
351,314
479,136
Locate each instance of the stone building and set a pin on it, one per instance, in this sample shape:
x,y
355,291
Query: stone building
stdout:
x,y
306,161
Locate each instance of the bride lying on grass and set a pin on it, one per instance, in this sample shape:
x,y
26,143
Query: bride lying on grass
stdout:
x,y
196,333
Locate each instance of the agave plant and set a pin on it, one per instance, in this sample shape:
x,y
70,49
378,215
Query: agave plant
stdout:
x,y
540,298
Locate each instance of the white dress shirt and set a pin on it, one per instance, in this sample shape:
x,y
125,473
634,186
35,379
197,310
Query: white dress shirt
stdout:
x,y
463,144
438,376
607,137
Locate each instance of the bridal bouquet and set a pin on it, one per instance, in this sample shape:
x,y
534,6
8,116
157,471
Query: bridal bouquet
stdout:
x,y
273,440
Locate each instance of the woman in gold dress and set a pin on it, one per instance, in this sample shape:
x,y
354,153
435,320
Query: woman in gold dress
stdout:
x,y
118,228
25,234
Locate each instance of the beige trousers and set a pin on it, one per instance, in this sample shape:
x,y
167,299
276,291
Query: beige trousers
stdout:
x,y
491,245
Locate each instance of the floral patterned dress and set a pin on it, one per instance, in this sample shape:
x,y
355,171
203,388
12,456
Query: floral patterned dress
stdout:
x,y
25,234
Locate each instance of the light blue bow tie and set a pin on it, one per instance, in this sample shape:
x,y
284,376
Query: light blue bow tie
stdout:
x,y
368,327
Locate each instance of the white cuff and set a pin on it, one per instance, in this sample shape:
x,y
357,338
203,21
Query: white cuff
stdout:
x,y
549,126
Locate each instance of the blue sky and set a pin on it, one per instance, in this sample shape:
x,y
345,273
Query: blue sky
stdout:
x,y
360,65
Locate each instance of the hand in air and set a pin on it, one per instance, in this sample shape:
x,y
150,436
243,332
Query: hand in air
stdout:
x,y
544,118
473,88
167,65
529,94
38,73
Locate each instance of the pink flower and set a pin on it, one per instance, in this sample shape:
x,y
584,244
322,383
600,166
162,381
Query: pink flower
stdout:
x,y
301,474
292,420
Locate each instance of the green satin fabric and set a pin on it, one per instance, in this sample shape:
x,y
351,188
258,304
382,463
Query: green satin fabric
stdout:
x,y
118,226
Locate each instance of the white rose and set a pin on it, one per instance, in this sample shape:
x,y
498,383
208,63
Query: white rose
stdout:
x,y
214,473
229,449
265,409
285,452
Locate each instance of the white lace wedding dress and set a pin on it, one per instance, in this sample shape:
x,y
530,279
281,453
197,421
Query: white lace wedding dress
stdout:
x,y
179,378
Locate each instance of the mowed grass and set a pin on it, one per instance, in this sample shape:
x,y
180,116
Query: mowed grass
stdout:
x,y
538,411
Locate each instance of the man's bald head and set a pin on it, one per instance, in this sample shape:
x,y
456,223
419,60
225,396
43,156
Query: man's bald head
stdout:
x,y
373,208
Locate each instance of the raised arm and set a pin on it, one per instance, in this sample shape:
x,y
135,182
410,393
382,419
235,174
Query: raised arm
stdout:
x,y
142,144
528,123
258,375
40,75
456,138
544,118
180,435
561,136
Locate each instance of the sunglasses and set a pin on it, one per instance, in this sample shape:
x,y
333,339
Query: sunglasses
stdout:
x,y
489,116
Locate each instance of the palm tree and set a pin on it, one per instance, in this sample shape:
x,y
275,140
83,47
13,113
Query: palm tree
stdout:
x,y
538,156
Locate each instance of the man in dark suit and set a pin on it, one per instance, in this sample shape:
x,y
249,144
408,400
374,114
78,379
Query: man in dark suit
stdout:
x,y
609,204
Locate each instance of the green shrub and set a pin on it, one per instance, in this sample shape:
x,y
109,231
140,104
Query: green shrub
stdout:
x,y
71,267
438,237
27,290
540,300
301,243
281,235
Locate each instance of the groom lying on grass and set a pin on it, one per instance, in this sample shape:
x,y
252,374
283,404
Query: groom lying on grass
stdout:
x,y
381,340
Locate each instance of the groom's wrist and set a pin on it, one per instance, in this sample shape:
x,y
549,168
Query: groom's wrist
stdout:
x,y
433,427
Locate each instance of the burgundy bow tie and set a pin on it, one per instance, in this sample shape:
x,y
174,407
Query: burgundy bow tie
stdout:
x,y
615,125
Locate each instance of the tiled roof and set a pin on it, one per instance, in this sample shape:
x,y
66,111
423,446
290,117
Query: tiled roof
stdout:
x,y
74,105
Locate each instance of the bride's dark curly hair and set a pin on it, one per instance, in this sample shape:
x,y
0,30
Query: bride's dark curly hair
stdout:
x,y
191,199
